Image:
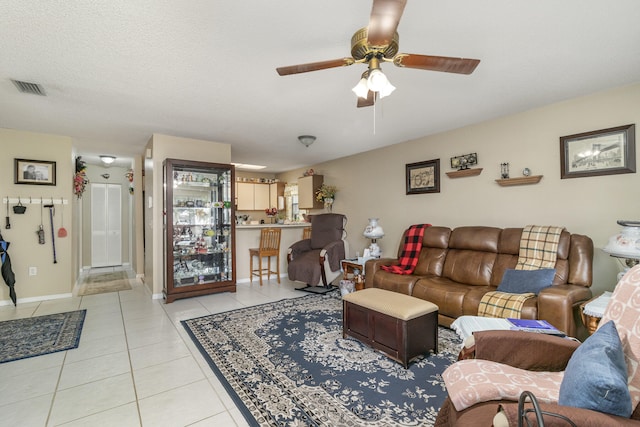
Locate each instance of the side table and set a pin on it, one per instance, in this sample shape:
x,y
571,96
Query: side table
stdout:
x,y
348,265
593,310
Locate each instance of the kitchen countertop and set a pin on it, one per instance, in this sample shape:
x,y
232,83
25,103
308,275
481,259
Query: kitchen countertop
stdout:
x,y
255,226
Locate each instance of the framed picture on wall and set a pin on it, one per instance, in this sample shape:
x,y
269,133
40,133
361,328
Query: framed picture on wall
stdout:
x,y
599,152
423,177
34,172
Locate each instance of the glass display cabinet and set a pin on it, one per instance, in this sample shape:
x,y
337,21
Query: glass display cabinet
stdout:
x,y
199,229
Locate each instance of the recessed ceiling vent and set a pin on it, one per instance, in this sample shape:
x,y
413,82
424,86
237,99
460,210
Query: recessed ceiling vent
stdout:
x,y
32,88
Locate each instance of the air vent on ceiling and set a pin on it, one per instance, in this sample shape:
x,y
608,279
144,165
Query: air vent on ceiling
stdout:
x,y
26,87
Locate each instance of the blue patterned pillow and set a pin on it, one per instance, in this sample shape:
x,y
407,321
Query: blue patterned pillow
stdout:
x,y
523,281
596,375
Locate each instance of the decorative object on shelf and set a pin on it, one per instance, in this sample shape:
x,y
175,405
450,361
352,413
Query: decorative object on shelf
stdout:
x,y
600,152
327,195
464,161
523,180
271,213
107,159
526,172
423,177
309,172
307,140
464,172
80,180
625,245
374,232
34,172
504,170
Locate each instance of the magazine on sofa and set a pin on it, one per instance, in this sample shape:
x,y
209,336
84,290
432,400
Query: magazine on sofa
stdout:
x,y
531,325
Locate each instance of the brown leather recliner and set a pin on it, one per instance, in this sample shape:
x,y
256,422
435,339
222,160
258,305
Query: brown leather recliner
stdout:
x,y
458,266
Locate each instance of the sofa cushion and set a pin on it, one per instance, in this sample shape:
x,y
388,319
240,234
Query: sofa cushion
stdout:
x,y
525,281
596,375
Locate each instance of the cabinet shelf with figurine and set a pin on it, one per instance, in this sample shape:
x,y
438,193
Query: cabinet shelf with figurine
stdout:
x,y
199,229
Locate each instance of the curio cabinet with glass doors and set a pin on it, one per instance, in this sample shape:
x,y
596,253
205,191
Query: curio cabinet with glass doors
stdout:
x,y
199,229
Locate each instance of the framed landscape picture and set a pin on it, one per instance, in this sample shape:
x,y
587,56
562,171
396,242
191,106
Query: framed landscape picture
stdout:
x,y
600,152
423,177
35,172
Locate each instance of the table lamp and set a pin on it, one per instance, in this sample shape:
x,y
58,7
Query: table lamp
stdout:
x,y
373,231
625,245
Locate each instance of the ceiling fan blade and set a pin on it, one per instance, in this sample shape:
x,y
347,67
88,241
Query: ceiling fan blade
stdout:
x,y
436,63
385,16
314,66
371,99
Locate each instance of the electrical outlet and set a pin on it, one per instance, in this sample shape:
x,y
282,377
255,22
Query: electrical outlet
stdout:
x,y
33,271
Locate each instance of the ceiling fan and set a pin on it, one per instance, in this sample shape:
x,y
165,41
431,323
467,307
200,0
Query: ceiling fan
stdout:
x,y
378,43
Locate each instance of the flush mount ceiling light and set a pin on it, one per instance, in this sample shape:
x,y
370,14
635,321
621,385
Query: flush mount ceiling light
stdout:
x,y
307,140
247,166
107,160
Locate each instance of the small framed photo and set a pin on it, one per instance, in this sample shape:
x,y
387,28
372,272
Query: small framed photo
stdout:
x,y
423,177
600,152
35,172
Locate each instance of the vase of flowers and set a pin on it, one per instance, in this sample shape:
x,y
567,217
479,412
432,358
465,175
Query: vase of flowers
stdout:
x,y
327,195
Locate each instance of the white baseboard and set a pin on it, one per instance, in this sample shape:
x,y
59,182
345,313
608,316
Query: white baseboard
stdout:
x,y
37,299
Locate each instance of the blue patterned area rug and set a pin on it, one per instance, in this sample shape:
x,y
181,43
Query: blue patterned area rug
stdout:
x,y
286,364
35,336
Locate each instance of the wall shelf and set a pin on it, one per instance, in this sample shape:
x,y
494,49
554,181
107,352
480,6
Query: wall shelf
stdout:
x,y
524,180
464,172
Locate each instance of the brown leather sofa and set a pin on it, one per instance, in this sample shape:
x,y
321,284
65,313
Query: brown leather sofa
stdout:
x,y
458,266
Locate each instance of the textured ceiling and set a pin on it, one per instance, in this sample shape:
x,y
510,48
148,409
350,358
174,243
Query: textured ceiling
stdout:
x,y
117,71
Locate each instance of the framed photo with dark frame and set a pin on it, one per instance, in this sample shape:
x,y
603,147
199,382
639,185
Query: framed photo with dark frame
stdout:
x,y
600,152
34,172
423,177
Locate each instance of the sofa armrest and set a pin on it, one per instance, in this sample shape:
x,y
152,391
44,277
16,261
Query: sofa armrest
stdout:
x,y
556,303
525,350
373,265
581,417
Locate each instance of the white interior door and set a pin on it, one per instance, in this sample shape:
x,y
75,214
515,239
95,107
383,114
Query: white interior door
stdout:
x,y
106,225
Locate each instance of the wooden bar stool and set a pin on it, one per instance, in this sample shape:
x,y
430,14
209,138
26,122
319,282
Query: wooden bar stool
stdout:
x,y
306,233
269,246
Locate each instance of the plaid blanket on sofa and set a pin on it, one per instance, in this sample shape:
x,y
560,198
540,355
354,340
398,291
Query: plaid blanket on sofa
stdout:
x,y
538,247
502,304
410,251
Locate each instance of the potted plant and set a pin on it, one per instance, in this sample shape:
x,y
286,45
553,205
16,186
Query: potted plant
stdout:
x,y
327,195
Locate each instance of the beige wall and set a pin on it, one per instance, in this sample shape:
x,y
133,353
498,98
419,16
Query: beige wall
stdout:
x,y
52,280
373,183
164,147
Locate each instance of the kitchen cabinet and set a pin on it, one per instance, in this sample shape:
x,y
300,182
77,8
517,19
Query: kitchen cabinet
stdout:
x,y
276,190
252,196
199,229
307,187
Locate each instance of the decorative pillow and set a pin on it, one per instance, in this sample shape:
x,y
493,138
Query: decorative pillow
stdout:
x,y
596,375
524,281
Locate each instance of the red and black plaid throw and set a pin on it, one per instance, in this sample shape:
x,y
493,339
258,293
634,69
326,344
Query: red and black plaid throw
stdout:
x,y
410,251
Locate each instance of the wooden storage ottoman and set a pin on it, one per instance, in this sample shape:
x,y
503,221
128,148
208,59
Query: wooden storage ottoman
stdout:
x,y
399,325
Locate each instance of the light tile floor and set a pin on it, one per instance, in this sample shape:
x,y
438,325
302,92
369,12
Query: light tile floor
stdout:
x,y
135,365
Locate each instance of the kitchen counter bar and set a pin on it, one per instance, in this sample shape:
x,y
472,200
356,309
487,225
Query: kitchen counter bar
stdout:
x,y
248,236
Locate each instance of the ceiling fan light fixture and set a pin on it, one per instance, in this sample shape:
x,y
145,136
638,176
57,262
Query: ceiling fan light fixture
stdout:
x,y
361,89
377,80
387,90
306,140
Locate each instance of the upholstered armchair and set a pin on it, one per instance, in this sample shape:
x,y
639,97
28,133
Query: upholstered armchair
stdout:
x,y
565,376
316,261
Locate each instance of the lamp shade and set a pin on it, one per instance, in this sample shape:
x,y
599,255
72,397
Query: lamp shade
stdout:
x,y
373,230
625,244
